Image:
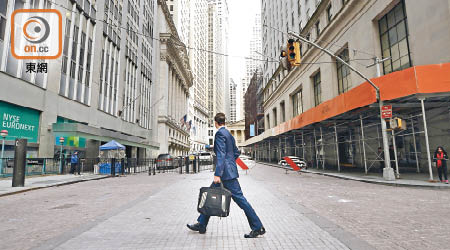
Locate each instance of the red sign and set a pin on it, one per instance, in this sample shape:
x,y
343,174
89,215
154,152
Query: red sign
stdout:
x,y
386,111
241,164
291,163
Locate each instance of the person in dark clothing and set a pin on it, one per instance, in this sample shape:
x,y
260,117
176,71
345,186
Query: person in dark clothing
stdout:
x,y
440,158
74,163
226,172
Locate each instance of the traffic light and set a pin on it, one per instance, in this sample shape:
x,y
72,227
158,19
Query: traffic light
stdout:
x,y
397,124
293,52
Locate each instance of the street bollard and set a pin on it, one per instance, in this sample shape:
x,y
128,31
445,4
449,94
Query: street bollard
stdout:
x,y
20,158
113,167
195,164
187,165
122,166
180,164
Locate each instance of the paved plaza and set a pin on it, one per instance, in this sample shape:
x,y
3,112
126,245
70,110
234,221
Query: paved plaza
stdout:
x,y
299,211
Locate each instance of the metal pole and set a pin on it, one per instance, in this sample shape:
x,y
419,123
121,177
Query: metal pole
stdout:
x,y
315,148
395,154
279,147
303,147
337,148
426,138
415,144
295,146
1,158
322,155
363,143
388,173
60,160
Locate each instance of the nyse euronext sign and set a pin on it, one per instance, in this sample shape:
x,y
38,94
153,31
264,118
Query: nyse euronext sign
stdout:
x,y
19,121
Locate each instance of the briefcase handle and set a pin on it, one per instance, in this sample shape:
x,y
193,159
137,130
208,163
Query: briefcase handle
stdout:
x,y
221,185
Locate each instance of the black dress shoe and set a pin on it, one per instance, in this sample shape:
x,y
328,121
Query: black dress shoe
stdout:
x,y
197,227
255,233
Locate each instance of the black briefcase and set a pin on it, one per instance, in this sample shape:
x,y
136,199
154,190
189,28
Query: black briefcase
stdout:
x,y
214,201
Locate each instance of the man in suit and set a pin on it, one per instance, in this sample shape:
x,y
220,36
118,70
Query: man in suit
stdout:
x,y
227,173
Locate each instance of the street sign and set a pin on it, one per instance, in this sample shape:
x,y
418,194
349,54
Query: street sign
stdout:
x,y
241,164
386,112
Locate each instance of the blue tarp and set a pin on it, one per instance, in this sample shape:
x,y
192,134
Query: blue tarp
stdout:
x,y
112,145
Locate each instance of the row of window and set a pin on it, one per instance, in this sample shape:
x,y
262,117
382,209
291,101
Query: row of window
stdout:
x,y
393,32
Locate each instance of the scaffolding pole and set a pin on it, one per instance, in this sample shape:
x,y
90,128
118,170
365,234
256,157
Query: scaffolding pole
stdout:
x,y
337,148
415,144
315,148
303,147
426,138
395,154
322,155
363,143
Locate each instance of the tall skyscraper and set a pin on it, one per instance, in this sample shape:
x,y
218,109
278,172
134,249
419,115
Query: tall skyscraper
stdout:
x,y
233,99
193,27
223,15
254,61
216,68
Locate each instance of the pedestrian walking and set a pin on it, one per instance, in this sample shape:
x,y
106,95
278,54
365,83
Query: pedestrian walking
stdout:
x,y
74,163
226,173
440,158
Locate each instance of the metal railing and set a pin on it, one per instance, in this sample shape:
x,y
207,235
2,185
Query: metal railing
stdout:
x,y
44,166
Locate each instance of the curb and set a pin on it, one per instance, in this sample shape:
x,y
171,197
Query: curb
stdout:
x,y
386,183
54,185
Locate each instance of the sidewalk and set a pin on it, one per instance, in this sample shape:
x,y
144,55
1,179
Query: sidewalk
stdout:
x,y
159,222
406,179
38,182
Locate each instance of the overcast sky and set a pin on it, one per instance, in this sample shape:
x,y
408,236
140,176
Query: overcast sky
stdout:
x,y
242,19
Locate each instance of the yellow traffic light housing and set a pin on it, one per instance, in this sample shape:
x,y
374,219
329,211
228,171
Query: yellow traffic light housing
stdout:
x,y
293,52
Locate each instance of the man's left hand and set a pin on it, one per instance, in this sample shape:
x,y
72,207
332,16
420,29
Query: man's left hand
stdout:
x,y
216,179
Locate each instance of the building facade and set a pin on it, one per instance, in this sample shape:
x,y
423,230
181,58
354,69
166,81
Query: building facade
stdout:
x,y
324,112
175,79
216,91
254,61
90,103
254,112
193,27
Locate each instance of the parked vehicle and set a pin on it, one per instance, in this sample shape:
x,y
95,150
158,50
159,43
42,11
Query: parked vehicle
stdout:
x,y
164,161
299,162
205,157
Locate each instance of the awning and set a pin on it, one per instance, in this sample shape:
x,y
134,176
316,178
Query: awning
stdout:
x,y
427,79
112,145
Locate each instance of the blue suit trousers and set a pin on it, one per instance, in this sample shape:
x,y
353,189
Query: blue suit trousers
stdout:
x,y
238,197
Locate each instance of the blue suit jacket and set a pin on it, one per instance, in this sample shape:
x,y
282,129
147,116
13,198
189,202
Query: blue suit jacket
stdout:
x,y
227,153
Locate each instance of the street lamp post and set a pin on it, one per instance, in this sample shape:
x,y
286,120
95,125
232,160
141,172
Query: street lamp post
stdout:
x,y
3,134
61,142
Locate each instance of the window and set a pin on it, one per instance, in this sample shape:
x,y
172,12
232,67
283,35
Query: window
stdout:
x,y
297,103
329,15
282,112
317,89
268,121
317,29
343,72
274,117
394,39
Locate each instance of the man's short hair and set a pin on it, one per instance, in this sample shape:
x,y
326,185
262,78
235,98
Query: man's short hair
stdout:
x,y
220,118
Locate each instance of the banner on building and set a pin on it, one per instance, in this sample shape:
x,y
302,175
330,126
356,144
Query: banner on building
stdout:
x,y
19,121
252,129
